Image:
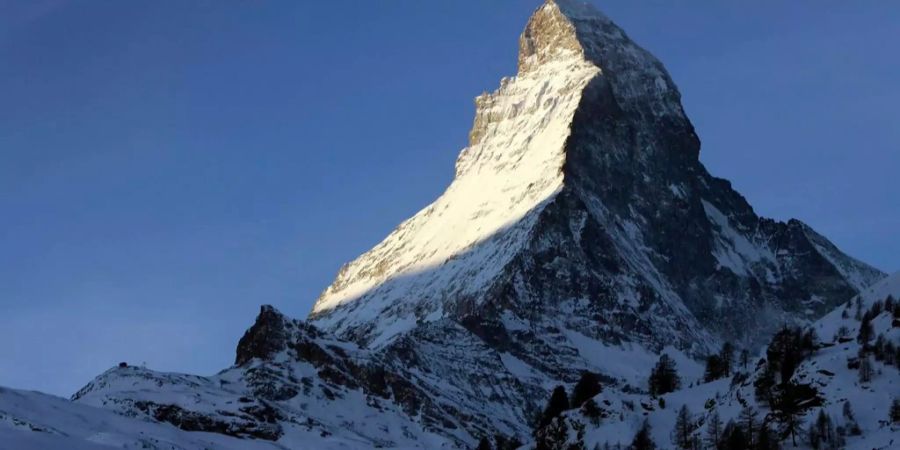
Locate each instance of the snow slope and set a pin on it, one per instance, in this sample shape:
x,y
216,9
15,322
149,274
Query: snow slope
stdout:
x,y
580,233
827,370
583,170
31,420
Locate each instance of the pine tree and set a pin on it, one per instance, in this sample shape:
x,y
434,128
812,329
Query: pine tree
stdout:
x,y
847,411
865,369
503,443
552,436
785,352
821,432
895,411
664,377
788,406
484,444
714,429
745,359
558,403
592,411
850,419
682,435
878,348
715,368
876,308
720,365
865,329
587,387
890,354
765,439
810,341
727,357
748,420
733,438
642,440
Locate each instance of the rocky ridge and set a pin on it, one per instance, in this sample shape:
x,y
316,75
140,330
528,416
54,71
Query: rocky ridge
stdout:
x,y
581,233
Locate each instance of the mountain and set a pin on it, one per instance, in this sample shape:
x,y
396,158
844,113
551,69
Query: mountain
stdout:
x,y
580,233
31,420
580,206
830,369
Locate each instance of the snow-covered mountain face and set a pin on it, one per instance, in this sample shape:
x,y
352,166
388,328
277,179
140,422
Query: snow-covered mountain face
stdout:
x,y
580,206
858,406
581,233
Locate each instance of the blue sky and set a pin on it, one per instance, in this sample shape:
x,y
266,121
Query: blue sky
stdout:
x,y
166,167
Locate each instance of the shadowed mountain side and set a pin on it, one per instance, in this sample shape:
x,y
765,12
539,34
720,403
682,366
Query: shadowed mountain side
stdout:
x,y
581,205
581,232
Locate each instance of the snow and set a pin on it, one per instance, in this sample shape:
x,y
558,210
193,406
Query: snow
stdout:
x,y
629,362
503,181
406,289
577,9
826,369
678,190
733,250
344,419
848,267
31,420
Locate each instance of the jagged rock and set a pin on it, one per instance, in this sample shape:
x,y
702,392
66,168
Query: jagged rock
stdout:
x,y
580,206
580,233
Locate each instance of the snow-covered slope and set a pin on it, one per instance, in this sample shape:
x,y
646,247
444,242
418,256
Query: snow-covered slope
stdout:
x,y
832,369
292,385
581,233
581,195
35,421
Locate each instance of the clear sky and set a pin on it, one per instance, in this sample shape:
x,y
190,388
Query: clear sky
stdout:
x,y
168,166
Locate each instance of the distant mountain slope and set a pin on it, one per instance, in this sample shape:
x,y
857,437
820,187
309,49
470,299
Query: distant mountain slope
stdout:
x,y
580,234
35,421
832,370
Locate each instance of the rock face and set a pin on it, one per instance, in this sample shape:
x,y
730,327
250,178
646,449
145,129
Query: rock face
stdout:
x,y
580,206
581,232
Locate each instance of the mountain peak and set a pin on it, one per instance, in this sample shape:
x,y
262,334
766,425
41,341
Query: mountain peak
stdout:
x,y
581,195
551,32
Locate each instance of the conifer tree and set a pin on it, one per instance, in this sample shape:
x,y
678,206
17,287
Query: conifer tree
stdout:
x,y
733,438
821,433
715,368
850,419
727,357
664,377
558,403
865,369
553,436
682,435
865,329
714,430
587,387
745,359
749,422
642,440
765,439
504,443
